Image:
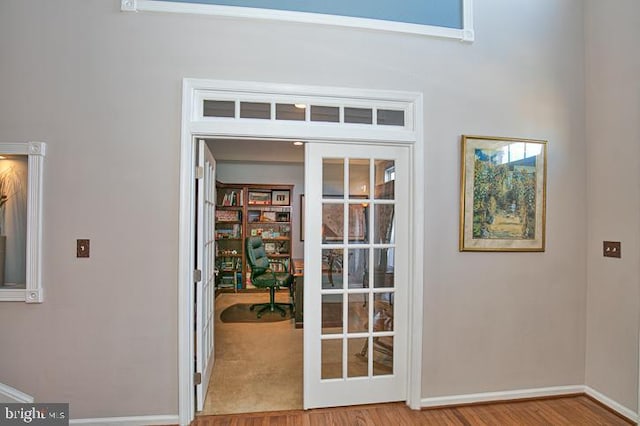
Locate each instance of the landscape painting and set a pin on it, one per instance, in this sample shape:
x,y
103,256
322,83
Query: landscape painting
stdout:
x,y
503,194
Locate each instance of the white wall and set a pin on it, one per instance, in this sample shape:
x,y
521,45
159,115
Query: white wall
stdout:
x,y
270,173
612,32
103,88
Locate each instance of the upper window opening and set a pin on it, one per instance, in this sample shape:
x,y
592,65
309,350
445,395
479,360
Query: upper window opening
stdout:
x,y
219,108
260,110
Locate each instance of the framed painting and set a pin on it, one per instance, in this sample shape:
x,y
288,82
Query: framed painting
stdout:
x,y
503,194
259,198
280,198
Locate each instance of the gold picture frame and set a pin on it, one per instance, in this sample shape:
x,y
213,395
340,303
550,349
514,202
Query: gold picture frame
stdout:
x,y
503,194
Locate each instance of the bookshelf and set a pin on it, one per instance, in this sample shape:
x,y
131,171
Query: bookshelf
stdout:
x,y
245,210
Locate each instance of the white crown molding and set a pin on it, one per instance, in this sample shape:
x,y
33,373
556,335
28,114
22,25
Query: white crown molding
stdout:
x,y
465,34
11,395
128,421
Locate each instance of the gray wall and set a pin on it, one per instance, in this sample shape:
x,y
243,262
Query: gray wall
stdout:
x,y
277,173
103,88
612,32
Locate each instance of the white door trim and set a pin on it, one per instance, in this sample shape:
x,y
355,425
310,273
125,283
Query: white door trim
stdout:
x,y
194,125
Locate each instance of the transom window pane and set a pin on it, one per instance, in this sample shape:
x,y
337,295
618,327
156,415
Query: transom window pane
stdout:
x,y
389,117
325,113
219,108
358,115
289,112
260,110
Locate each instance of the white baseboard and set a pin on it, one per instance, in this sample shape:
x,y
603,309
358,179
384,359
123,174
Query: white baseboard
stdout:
x,y
473,398
128,421
11,395
444,401
615,406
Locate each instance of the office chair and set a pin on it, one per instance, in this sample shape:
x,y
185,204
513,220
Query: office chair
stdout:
x,y
263,277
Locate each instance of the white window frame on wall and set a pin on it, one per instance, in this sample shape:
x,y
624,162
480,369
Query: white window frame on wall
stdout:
x,y
32,293
465,34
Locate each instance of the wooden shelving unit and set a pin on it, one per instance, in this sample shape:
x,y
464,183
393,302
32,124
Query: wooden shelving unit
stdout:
x,y
244,210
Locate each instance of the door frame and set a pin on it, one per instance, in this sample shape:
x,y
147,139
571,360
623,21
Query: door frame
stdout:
x,y
195,126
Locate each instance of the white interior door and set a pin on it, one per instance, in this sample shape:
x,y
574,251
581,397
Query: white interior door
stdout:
x,y
356,274
205,264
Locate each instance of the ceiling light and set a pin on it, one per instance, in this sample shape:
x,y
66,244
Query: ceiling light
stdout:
x,y
298,143
300,106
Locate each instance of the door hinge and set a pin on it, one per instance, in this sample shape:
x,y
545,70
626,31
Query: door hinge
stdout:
x,y
199,172
197,275
197,378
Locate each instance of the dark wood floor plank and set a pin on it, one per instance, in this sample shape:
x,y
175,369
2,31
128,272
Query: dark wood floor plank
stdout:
x,y
557,411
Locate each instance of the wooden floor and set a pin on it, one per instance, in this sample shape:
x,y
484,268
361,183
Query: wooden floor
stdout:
x,y
577,410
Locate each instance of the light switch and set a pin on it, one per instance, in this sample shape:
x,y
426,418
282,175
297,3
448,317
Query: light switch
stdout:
x,y
612,249
82,248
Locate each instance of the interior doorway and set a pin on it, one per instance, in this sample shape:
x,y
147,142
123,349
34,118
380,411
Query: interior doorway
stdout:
x,y
266,111
258,361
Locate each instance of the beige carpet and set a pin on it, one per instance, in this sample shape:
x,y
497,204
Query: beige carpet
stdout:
x,y
258,366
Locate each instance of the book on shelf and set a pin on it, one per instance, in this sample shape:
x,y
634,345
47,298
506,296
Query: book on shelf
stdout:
x,y
228,215
233,198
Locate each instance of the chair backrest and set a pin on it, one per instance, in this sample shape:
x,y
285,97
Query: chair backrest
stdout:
x,y
256,255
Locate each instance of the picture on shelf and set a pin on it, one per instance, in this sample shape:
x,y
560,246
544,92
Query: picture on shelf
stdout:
x,y
253,215
260,198
282,217
270,248
280,198
268,217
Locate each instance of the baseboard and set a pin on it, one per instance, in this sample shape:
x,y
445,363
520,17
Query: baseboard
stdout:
x,y
486,397
128,421
477,398
613,405
11,395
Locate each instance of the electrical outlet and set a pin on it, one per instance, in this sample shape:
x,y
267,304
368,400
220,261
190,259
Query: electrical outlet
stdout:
x,y
612,249
82,248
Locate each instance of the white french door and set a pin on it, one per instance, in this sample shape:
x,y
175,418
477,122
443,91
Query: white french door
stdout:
x,y
356,274
205,264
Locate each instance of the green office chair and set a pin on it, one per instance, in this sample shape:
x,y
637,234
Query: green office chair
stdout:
x,y
263,277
